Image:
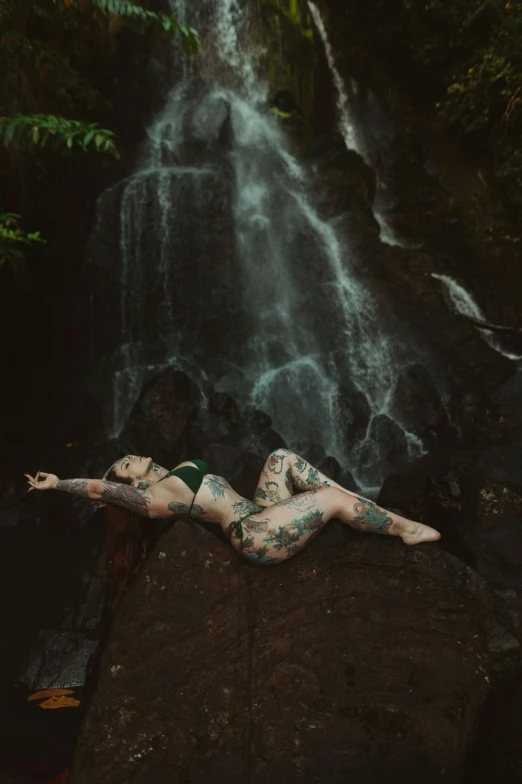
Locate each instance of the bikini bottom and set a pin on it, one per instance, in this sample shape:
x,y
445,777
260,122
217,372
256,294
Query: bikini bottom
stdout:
x,y
237,526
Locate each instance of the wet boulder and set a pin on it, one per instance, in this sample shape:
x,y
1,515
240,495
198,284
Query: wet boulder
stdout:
x,y
359,660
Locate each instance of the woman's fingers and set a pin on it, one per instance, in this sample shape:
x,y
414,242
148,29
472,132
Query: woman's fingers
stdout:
x,y
38,482
32,482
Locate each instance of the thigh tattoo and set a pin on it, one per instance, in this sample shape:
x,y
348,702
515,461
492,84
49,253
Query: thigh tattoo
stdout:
x,y
275,463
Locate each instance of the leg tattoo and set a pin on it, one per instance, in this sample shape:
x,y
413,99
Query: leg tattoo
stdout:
x,y
371,518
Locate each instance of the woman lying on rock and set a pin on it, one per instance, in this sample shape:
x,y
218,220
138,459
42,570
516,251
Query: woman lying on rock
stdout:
x,y
292,502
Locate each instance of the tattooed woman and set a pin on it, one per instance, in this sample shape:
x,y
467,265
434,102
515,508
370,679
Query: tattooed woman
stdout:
x,y
292,503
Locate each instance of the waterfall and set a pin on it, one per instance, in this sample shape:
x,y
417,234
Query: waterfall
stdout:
x,y
462,302
365,130
227,269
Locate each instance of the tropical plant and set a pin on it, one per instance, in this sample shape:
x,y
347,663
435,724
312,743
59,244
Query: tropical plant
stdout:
x,y
46,129
13,240
43,79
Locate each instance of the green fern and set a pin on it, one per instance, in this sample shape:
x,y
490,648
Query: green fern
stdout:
x,y
13,239
169,23
43,129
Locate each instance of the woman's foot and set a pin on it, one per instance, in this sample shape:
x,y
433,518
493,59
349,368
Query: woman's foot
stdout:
x,y
414,533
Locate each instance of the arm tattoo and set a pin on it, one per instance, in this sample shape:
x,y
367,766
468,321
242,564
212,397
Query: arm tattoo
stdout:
x,y
76,486
126,496
370,517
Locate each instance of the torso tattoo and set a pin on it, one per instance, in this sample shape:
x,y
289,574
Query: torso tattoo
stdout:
x,y
217,485
180,510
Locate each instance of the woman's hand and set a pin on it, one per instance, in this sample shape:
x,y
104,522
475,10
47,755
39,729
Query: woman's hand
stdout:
x,y
42,481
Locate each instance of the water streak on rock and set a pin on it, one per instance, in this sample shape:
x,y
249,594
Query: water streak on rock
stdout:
x,y
462,302
364,128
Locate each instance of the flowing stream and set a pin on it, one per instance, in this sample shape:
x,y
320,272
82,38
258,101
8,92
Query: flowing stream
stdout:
x,y
312,341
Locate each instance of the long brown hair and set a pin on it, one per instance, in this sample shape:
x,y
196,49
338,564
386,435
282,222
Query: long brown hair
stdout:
x,y
125,540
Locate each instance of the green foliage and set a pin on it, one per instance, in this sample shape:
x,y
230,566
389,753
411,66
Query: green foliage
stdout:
x,y
125,8
464,58
13,239
47,50
281,115
47,71
42,129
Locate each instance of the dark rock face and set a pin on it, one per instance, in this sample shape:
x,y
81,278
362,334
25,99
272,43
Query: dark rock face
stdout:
x,y
393,452
162,414
355,413
498,550
508,398
419,404
241,470
58,660
360,660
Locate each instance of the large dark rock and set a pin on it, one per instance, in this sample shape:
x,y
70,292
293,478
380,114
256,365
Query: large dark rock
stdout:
x,y
406,488
497,547
355,413
160,419
502,462
417,403
241,469
508,398
360,660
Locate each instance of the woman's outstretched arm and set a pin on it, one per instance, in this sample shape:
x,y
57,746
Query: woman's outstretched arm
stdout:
x,y
117,493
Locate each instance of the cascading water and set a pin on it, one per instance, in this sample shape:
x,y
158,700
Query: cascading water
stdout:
x,y
366,130
300,337
462,301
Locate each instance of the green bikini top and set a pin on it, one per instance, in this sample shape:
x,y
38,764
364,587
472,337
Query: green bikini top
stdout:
x,y
191,475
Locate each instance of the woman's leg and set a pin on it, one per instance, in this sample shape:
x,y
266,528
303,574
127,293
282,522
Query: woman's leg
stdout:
x,y
282,530
285,474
